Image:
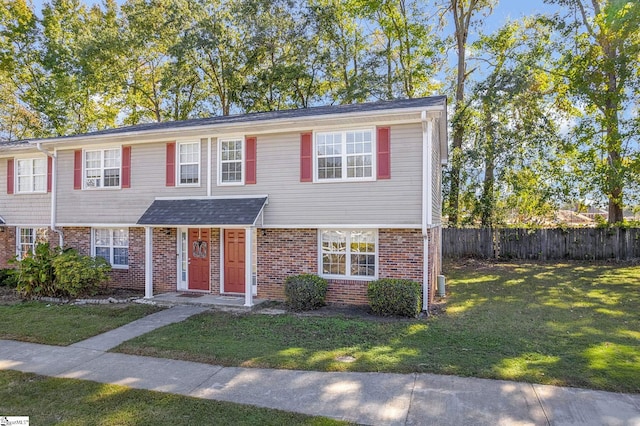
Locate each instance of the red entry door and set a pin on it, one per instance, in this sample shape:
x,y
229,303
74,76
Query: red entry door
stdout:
x,y
234,265
198,247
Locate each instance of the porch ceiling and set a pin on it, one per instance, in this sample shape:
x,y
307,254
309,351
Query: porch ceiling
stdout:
x,y
203,212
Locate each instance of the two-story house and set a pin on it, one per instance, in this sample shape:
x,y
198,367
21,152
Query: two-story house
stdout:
x,y
235,204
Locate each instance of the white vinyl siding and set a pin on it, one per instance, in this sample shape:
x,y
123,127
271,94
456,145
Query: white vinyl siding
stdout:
x,y
348,254
112,244
230,164
102,168
188,163
31,175
347,155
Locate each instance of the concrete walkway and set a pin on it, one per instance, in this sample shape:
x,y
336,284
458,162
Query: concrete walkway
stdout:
x,y
364,398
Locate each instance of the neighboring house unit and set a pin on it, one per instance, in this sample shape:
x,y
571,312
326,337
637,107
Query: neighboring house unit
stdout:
x,y
235,204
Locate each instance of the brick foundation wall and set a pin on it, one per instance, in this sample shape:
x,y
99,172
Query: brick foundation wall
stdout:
x,y
281,253
285,252
7,246
165,260
132,278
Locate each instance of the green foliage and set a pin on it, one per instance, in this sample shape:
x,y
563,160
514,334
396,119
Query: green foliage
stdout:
x,y
304,292
390,296
7,278
34,273
78,275
57,273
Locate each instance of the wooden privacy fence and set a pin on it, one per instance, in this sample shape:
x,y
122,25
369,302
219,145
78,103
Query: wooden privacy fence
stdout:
x,y
542,244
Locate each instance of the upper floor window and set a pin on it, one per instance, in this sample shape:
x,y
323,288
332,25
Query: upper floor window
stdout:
x,y
102,168
112,244
344,155
231,154
348,253
31,175
189,163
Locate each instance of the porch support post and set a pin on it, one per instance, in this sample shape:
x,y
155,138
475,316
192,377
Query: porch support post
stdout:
x,y
148,262
248,269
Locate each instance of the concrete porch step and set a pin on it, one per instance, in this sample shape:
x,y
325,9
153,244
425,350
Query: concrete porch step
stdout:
x,y
214,301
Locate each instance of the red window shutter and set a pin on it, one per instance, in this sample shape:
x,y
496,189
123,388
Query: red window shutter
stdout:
x,y
171,164
384,153
49,173
10,176
126,167
306,157
250,161
77,169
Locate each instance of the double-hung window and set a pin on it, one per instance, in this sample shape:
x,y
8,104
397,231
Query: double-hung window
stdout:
x,y
26,241
112,244
346,155
348,253
102,168
189,163
31,175
231,154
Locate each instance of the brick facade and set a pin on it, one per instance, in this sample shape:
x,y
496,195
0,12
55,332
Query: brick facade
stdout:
x,y
280,254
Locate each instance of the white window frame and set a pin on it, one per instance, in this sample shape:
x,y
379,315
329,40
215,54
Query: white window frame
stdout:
x,y
32,244
102,169
179,164
344,156
241,161
31,175
111,246
347,276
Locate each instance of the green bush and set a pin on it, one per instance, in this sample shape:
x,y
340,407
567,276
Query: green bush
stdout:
x,y
59,273
305,292
388,297
7,278
34,273
78,275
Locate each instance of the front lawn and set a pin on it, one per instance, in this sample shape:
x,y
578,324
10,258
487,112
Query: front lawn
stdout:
x,y
562,324
49,401
55,324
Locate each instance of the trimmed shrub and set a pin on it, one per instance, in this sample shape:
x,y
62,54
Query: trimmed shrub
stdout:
x,y
59,273
78,275
305,292
7,278
389,297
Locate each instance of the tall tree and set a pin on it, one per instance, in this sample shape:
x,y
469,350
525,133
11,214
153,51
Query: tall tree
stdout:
x,y
463,12
600,65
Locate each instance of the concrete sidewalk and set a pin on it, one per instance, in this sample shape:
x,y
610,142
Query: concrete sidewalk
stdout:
x,y
364,398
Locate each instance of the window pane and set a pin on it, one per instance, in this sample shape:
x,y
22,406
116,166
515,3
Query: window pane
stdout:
x,y
189,173
112,158
24,183
40,183
112,177
92,159
121,237
103,252
121,256
363,265
103,237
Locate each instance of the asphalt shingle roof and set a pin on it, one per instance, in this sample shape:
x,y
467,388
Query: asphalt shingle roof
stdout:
x,y
203,212
269,115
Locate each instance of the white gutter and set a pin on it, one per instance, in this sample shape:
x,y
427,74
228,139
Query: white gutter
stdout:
x,y
208,167
427,203
54,192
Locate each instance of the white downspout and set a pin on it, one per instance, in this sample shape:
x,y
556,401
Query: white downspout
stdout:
x,y
54,192
427,202
208,167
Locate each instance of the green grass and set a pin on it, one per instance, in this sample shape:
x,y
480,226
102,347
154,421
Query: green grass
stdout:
x,y
49,401
562,324
55,324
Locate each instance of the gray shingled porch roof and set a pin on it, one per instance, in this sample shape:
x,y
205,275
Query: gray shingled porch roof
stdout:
x,y
203,212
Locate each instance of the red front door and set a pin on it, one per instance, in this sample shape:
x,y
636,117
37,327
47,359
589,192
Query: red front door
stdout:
x,y
198,247
234,265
